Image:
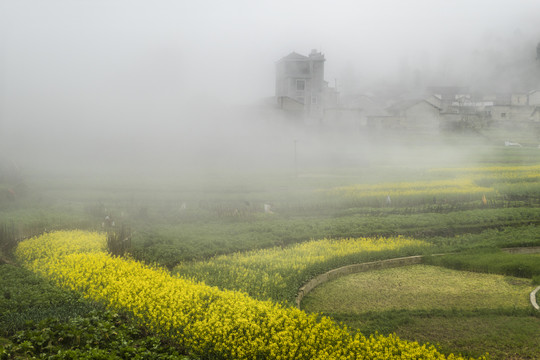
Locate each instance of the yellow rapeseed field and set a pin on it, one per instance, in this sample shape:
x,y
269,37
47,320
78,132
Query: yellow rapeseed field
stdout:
x,y
463,185
523,173
526,169
409,193
211,323
268,273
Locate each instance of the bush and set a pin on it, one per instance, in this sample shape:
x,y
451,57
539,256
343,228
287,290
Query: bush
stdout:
x,y
119,241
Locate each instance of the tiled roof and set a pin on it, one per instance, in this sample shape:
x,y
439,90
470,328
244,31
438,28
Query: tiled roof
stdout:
x,y
294,56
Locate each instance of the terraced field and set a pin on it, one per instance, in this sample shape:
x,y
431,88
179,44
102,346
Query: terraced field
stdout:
x,y
243,244
457,309
419,287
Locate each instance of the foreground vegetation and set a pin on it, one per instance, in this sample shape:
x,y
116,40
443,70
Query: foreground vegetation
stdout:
x,y
211,323
255,233
41,320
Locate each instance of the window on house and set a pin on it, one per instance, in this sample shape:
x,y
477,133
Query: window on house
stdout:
x,y
300,85
503,115
313,99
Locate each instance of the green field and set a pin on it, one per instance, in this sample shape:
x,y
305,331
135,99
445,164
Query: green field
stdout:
x,y
417,288
457,309
40,319
212,226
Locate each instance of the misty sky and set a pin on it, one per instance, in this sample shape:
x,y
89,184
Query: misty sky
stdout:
x,y
85,68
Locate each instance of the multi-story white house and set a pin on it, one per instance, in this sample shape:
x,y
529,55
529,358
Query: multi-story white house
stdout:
x,y
300,85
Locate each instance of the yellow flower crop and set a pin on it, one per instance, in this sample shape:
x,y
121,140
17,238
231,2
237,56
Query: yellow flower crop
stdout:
x,y
497,173
56,245
410,193
211,323
271,273
491,169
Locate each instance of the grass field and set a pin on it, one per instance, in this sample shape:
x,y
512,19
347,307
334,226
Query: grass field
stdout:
x,y
419,288
461,310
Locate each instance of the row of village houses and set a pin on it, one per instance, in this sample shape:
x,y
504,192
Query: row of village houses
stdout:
x,y
302,91
441,108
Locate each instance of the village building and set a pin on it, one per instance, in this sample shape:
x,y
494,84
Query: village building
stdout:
x,y
535,116
445,96
417,116
302,93
515,109
353,112
534,98
519,99
301,88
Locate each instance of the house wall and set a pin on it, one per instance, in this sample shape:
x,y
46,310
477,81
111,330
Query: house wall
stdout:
x,y
421,117
503,113
519,99
521,113
535,117
500,112
289,104
534,98
301,78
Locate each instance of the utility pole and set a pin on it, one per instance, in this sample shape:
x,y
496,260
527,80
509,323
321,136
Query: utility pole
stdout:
x,y
295,160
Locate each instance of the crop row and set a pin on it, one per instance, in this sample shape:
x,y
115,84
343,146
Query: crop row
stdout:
x,y
277,273
461,185
185,242
412,193
493,262
495,171
211,323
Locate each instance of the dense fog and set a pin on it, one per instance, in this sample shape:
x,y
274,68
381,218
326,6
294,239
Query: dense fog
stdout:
x,y
139,86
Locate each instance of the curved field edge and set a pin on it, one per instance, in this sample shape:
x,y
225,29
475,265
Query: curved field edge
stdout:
x,y
419,287
209,322
161,244
277,273
473,316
